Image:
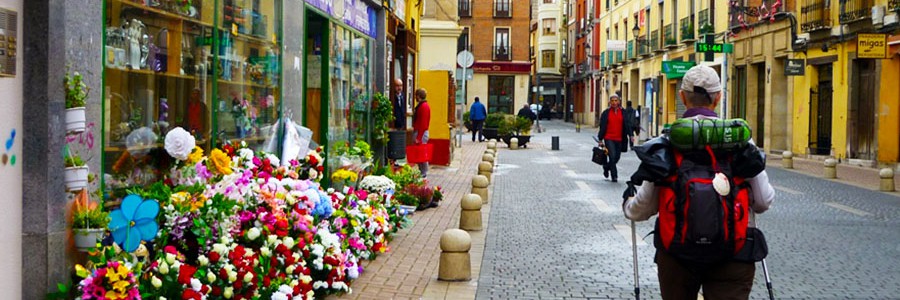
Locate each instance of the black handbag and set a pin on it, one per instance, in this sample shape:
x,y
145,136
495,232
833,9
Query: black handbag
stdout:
x,y
755,248
599,157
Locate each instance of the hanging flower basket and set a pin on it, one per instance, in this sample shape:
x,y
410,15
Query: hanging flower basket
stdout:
x,y
86,238
75,120
76,178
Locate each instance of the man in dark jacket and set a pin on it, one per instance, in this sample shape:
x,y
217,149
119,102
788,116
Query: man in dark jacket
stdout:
x,y
399,103
527,113
477,114
614,130
629,118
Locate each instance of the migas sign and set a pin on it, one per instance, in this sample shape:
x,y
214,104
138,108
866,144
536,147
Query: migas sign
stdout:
x,y
871,45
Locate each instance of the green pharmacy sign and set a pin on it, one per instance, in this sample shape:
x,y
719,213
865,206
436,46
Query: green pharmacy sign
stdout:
x,y
676,69
713,48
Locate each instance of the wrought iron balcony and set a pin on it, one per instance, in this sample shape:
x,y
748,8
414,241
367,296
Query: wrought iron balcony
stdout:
x,y
502,52
687,29
855,10
814,15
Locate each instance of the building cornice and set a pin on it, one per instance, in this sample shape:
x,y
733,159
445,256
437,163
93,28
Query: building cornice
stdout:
x,y
435,28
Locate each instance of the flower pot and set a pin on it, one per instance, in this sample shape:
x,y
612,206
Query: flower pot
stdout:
x,y
76,178
489,133
87,238
75,120
409,209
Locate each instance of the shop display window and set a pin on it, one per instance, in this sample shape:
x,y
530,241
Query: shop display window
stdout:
x,y
209,66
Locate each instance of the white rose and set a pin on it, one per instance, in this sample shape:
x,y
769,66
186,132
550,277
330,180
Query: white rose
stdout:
x,y
180,143
228,292
163,268
253,233
248,277
195,284
272,238
288,242
203,260
170,258
156,282
290,269
210,277
264,251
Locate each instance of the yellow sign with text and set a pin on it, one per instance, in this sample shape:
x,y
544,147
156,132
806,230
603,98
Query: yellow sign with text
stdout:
x,y
871,45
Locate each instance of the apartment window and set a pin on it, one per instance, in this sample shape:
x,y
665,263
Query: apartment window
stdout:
x,y
463,42
548,59
501,44
549,26
502,8
465,8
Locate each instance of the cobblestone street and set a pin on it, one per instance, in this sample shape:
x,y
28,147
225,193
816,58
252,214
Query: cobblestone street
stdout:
x,y
557,231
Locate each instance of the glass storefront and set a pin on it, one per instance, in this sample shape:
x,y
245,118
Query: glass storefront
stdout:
x,y
501,94
211,67
338,80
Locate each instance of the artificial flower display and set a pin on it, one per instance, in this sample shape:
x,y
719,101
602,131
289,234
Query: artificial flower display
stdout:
x,y
113,281
179,143
239,224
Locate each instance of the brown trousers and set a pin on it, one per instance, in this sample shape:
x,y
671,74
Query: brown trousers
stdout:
x,y
679,280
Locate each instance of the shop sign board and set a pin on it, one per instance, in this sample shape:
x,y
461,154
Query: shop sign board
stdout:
x,y
502,67
615,45
358,15
326,6
795,67
676,69
872,45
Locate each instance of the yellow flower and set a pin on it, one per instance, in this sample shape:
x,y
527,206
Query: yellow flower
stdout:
x,y
180,198
220,161
344,175
196,155
120,286
113,295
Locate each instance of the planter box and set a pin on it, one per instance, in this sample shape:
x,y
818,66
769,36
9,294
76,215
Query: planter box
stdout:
x,y
76,178
490,133
87,238
523,140
75,120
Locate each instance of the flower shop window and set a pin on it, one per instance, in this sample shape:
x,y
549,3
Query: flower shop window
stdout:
x,y
501,90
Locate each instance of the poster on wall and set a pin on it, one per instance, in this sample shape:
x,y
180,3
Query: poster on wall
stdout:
x,y
400,9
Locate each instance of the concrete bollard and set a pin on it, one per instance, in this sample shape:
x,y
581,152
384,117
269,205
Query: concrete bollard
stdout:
x,y
485,169
492,145
480,187
787,159
514,143
455,264
488,158
887,179
831,168
470,217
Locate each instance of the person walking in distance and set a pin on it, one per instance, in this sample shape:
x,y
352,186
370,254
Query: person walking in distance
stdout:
x,y
629,118
477,114
719,269
421,119
614,130
399,104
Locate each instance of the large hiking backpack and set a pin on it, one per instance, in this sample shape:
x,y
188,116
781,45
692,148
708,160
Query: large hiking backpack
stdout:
x,y
696,223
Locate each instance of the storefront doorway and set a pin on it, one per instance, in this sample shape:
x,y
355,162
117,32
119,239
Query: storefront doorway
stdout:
x,y
820,113
862,118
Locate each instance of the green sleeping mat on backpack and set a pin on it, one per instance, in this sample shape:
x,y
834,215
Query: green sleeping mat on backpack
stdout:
x,y
696,133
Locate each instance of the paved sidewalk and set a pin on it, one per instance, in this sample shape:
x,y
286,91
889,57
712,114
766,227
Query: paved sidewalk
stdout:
x,y
411,265
853,175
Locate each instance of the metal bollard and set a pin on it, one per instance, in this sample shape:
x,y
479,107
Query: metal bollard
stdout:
x,y
831,168
485,169
514,143
554,143
887,180
455,264
470,217
787,159
480,187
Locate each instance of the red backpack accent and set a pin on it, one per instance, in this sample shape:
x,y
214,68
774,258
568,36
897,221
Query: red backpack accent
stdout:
x,y
695,223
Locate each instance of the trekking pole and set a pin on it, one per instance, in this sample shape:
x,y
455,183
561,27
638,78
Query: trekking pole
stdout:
x,y
768,280
637,283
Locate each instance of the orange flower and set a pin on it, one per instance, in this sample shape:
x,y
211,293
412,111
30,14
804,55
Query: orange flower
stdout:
x,y
220,161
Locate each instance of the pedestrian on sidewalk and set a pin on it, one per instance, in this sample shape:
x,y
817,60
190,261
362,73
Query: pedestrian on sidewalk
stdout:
x,y
683,271
399,105
421,120
629,118
614,130
477,114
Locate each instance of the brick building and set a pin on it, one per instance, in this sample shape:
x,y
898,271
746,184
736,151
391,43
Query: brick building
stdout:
x,y
497,33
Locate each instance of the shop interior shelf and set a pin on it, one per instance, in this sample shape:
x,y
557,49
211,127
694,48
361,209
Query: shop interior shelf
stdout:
x,y
250,84
163,12
247,37
149,72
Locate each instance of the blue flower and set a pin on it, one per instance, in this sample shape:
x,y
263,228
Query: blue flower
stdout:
x,y
133,222
323,207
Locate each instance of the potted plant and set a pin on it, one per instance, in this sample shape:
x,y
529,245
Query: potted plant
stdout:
x,y
518,127
89,221
467,122
492,125
342,178
423,193
76,93
76,173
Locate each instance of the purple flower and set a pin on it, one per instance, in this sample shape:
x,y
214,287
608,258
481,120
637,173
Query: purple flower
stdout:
x,y
202,171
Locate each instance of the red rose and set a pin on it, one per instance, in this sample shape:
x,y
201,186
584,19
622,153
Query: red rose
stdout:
x,y
214,257
185,273
190,294
267,282
216,291
170,250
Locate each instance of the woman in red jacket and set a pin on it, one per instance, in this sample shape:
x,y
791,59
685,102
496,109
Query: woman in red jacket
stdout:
x,y
421,119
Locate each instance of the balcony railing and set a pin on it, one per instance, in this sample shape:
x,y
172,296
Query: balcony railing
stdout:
x,y
654,41
502,52
642,46
669,36
465,8
855,10
814,15
502,8
687,29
